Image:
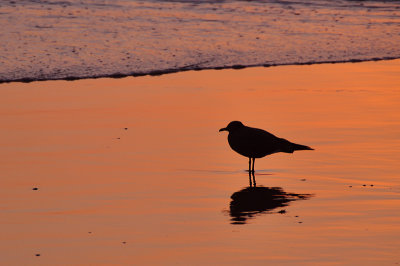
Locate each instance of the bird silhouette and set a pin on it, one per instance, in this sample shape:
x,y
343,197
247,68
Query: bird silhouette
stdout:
x,y
256,143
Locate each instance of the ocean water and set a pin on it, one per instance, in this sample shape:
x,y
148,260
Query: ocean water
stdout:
x,y
43,40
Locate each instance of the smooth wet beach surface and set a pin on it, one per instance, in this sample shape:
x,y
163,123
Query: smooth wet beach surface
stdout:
x,y
134,171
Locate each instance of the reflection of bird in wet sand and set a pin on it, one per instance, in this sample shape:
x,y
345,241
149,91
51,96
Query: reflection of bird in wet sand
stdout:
x,y
257,143
252,201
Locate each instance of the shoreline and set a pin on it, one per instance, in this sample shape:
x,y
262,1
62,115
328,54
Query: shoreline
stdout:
x,y
193,67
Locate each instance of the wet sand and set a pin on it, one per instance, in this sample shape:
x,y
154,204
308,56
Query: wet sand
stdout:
x,y
134,170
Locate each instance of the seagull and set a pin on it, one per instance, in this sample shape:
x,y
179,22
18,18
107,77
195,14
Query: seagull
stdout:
x,y
257,143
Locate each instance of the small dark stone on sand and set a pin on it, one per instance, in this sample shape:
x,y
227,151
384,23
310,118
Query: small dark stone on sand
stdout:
x,y
35,188
37,255
303,179
124,242
125,128
296,216
371,185
118,138
89,232
300,222
350,186
364,185
282,211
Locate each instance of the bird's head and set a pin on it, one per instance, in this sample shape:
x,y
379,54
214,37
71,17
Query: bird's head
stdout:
x,y
232,126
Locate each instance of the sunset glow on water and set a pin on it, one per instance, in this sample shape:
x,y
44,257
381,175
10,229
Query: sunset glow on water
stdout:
x,y
134,170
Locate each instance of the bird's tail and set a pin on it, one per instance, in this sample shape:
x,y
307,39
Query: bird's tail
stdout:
x,y
290,147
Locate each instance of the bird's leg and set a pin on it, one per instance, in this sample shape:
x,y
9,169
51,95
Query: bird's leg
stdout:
x,y
250,172
250,179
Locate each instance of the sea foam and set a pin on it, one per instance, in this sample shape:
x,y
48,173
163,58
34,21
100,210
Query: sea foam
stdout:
x,y
43,40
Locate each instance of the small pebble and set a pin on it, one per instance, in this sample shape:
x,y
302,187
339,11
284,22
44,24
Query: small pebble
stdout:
x,y
89,232
364,185
296,216
118,138
300,222
303,179
35,188
372,185
124,242
37,255
126,128
282,211
350,186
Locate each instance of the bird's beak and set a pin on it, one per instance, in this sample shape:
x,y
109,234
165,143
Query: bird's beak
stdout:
x,y
223,129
